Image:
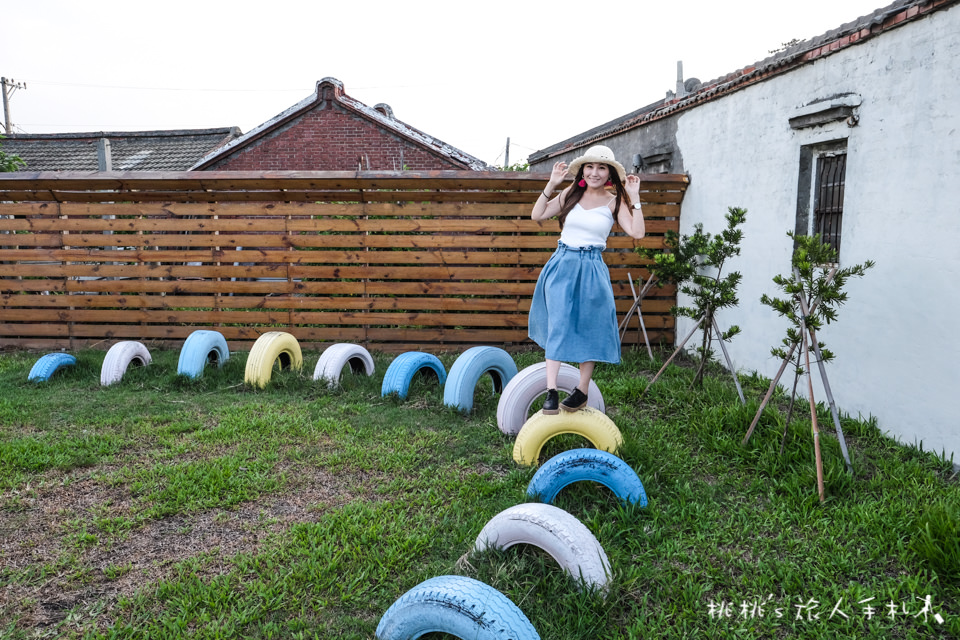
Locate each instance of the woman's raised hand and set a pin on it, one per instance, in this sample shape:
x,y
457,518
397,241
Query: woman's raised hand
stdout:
x,y
558,174
633,187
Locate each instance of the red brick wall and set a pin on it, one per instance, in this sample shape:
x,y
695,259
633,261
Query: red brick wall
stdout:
x,y
330,138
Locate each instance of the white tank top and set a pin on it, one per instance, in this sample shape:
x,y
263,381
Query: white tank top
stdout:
x,y
587,227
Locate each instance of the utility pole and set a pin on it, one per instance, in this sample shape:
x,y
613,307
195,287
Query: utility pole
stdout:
x,y
506,159
8,86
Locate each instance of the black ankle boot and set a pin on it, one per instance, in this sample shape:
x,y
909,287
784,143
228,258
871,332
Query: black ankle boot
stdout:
x,y
575,401
551,403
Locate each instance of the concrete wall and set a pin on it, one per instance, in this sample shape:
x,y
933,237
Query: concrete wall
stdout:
x,y
897,357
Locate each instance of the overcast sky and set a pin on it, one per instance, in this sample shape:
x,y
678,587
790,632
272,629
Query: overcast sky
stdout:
x,y
469,73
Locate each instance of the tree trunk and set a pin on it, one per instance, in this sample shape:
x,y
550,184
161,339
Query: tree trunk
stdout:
x,y
704,348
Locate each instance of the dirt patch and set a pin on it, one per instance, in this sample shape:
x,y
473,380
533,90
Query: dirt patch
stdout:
x,y
48,570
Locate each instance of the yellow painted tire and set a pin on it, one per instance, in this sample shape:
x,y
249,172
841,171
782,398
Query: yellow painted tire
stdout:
x,y
593,425
268,348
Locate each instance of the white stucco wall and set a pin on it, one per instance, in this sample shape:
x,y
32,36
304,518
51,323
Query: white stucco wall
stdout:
x,y
896,341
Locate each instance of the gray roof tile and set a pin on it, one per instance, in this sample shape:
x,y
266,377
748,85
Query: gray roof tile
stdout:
x,y
174,150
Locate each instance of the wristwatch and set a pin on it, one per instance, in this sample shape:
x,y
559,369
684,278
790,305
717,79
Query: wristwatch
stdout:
x,y
636,205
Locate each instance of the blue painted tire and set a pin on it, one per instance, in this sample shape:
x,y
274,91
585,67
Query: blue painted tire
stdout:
x,y
467,370
456,605
200,347
404,367
50,364
595,465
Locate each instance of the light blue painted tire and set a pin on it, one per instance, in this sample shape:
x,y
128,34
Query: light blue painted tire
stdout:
x,y
456,605
576,465
404,367
467,370
200,347
50,364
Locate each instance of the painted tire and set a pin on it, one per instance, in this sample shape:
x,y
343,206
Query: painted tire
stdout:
x,y
49,364
268,348
456,605
564,537
335,357
467,370
531,383
404,367
200,347
119,357
588,422
576,465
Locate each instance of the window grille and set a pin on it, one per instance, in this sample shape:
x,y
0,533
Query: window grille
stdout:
x,y
828,207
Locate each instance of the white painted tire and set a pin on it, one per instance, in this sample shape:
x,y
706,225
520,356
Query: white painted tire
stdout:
x,y
588,423
335,357
531,383
455,605
564,537
119,357
467,370
270,347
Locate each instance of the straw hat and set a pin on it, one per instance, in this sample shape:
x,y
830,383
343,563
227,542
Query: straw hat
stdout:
x,y
601,154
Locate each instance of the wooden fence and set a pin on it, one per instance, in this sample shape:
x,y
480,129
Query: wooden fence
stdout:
x,y
432,261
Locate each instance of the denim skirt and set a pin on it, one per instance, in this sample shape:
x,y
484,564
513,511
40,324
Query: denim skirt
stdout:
x,y
572,314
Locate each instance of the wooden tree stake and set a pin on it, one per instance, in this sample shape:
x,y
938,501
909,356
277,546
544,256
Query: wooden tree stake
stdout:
x,y
636,307
813,420
826,388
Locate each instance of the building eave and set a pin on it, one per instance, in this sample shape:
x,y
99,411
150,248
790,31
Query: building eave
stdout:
x,y
801,54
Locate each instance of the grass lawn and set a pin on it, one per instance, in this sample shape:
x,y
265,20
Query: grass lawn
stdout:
x,y
162,507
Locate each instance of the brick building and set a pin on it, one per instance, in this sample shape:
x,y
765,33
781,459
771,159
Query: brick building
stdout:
x,y
330,131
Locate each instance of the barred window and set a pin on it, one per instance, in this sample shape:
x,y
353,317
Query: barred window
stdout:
x,y
820,190
828,204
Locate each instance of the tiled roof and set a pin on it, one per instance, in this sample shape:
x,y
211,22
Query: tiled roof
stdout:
x,y
844,36
174,150
382,115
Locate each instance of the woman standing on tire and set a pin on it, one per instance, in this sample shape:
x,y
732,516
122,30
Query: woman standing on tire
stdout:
x,y
572,314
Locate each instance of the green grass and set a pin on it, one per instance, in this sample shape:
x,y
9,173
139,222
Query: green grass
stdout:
x,y
162,507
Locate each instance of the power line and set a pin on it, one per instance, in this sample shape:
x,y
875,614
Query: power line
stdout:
x,y
215,90
107,86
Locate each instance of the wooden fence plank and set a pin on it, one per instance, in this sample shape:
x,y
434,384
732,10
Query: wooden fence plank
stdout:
x,y
438,260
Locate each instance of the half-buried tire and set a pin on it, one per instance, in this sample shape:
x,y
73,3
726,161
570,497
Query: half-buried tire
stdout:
x,y
200,347
267,350
588,423
120,357
470,367
455,605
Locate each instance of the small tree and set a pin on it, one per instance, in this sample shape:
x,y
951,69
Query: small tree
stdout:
x,y
10,162
814,291
815,279
695,264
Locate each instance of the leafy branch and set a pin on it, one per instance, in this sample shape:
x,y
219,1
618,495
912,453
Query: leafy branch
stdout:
x,y
695,265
